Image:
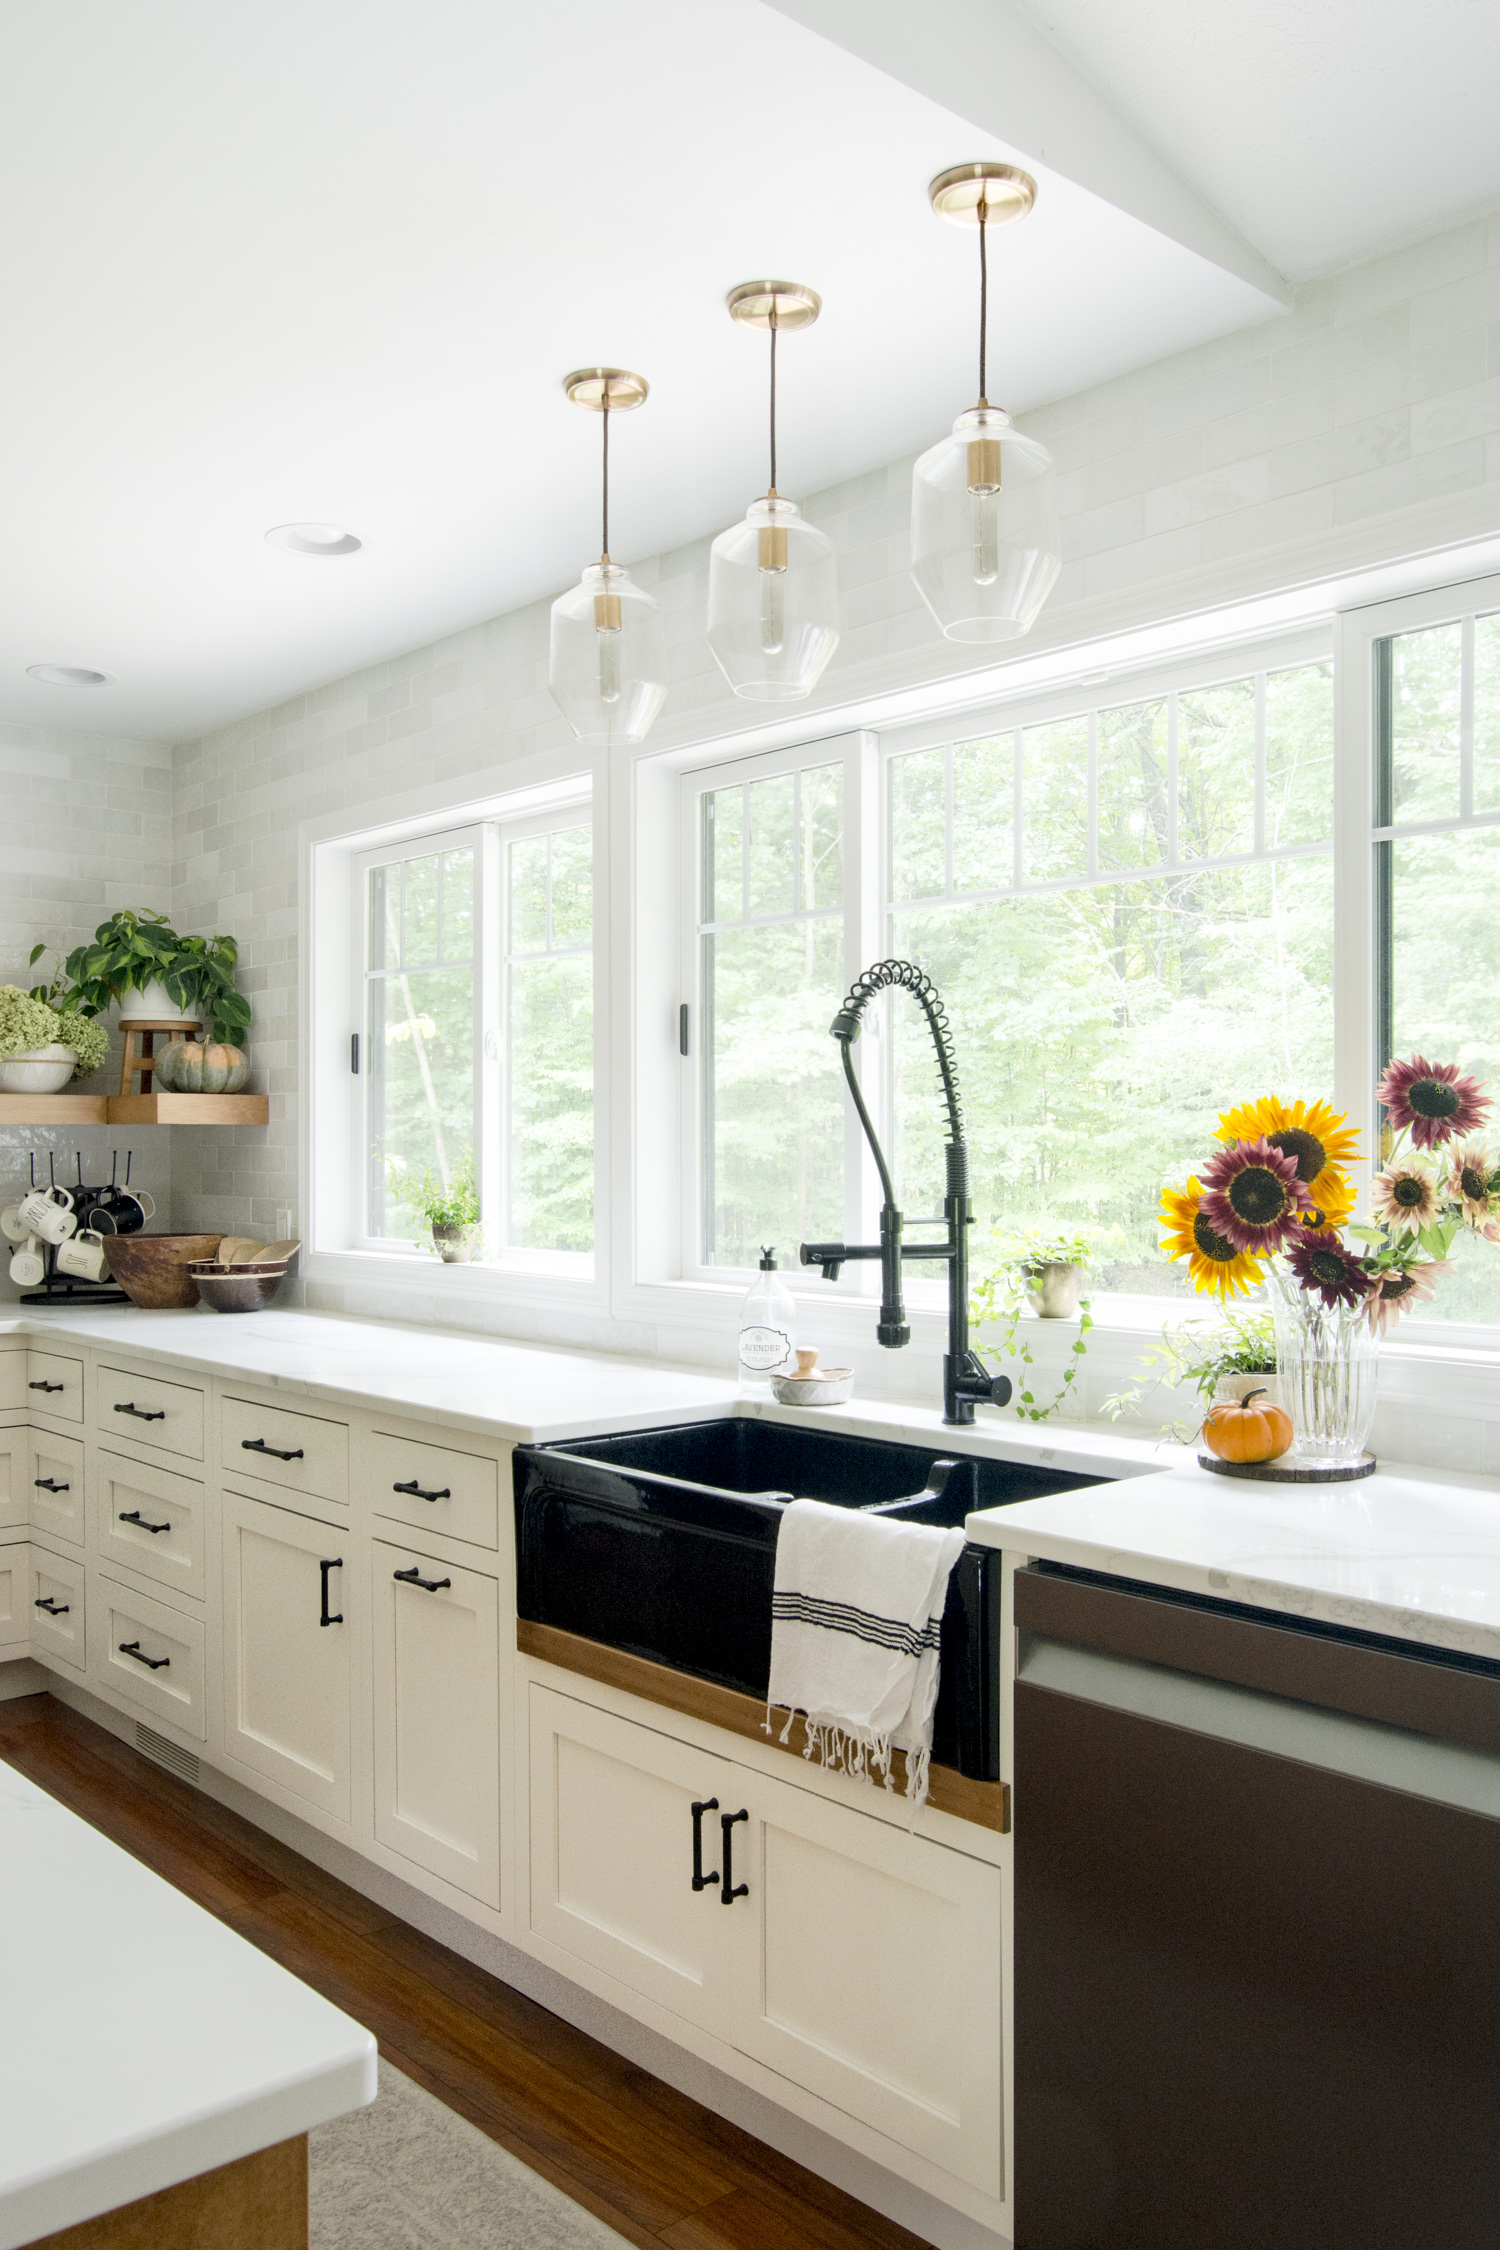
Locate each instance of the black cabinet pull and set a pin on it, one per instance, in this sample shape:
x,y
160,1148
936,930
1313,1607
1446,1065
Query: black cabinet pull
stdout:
x,y
418,1494
702,1882
50,1484
133,1648
134,1516
144,1413
413,1577
336,1562
45,1386
53,1609
731,1889
259,1445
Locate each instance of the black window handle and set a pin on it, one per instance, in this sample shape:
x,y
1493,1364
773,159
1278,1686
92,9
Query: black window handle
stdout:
x,y
413,1577
259,1445
702,1882
731,1889
418,1494
144,1413
50,1484
46,1386
133,1648
134,1516
336,1562
53,1609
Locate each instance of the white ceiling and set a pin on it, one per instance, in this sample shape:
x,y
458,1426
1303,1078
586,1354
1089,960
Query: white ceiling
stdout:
x,y
329,259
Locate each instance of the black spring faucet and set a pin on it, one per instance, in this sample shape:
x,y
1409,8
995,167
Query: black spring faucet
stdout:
x,y
966,1380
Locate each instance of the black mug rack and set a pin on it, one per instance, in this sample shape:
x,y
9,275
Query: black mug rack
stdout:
x,y
66,1288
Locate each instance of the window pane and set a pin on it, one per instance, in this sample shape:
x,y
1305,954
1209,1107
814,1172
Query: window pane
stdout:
x,y
1299,755
1487,714
771,855
420,1044
1133,825
1055,800
723,853
383,920
919,802
822,802
458,905
550,1079
1100,1031
984,798
423,891
773,1089
528,895
1425,723
1215,771
572,886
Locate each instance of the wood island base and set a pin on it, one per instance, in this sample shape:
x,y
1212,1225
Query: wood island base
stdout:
x,y
257,2203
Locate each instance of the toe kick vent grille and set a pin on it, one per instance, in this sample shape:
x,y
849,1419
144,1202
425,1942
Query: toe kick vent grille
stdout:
x,y
164,1753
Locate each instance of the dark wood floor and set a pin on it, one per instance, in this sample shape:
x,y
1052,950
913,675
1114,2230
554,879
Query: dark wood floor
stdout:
x,y
648,2161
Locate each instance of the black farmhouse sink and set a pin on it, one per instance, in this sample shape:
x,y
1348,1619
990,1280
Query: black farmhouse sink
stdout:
x,y
663,1542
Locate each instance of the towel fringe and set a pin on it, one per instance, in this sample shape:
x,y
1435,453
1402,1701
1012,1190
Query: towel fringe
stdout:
x,y
861,1756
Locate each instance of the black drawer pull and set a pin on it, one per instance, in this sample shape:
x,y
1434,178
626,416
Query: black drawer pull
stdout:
x,y
53,1609
134,1515
702,1882
144,1413
133,1648
46,1386
418,1494
731,1889
328,1617
259,1445
413,1577
50,1484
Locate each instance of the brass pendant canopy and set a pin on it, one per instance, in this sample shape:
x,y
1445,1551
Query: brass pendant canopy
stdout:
x,y
752,304
599,387
1001,191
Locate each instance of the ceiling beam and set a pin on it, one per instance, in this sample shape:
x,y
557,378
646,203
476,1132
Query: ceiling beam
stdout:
x,y
986,62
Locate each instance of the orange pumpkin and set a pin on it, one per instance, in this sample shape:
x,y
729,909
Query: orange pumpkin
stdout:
x,y
1238,1429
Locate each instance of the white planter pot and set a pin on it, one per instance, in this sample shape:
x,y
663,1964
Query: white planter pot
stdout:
x,y
152,1006
46,1070
1231,1387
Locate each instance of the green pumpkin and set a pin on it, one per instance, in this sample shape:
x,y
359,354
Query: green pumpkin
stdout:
x,y
195,1066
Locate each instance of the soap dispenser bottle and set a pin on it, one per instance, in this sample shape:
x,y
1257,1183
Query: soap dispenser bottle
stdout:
x,y
768,1326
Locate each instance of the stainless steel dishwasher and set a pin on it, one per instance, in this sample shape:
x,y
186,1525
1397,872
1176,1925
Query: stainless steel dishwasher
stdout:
x,y
1257,1929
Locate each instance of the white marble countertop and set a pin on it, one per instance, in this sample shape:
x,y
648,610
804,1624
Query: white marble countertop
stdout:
x,y
143,2041
1409,1551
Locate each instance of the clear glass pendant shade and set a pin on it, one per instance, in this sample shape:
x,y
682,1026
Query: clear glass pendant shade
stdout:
x,y
773,602
986,536
608,667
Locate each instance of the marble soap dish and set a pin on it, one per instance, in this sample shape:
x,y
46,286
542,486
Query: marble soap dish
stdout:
x,y
813,1385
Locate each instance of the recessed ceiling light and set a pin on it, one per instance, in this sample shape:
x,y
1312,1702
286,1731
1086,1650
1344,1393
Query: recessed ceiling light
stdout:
x,y
68,675
314,539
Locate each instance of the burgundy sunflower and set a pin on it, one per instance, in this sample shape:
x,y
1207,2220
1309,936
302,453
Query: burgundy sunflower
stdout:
x,y
1326,1269
1253,1196
1432,1100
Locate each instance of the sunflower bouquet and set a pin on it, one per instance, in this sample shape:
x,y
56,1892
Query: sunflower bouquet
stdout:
x,y
1276,1196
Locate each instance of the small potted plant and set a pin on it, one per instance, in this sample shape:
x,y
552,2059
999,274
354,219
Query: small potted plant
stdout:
x,y
175,978
1043,1267
42,1047
449,1205
1223,1364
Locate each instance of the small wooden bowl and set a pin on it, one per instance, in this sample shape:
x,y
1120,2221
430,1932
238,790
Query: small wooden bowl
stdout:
x,y
152,1269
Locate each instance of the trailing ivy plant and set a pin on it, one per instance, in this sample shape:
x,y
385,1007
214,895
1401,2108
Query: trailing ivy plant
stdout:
x,y
1001,1296
1243,1343
130,950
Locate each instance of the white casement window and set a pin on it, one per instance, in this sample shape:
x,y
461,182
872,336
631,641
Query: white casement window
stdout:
x,y
474,967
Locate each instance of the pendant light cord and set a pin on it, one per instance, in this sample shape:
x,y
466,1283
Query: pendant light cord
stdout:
x,y
773,394
984,297
604,550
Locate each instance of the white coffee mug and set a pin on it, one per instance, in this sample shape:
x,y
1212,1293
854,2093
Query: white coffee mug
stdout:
x,y
49,1213
12,1225
28,1267
83,1257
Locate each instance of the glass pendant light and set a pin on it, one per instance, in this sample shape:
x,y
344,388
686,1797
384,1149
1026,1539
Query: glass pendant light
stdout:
x,y
773,595
608,665
986,538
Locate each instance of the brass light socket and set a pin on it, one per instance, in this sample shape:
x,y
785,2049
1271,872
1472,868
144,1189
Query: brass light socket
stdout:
x,y
606,613
770,547
984,464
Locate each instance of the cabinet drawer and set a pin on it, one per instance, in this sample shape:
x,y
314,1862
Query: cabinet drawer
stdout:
x,y
437,1717
151,1655
425,1485
15,1611
300,1451
57,1608
168,1416
15,1478
151,1520
54,1384
57,1486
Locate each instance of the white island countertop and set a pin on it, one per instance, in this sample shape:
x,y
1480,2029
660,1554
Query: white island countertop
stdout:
x,y
143,2041
1410,1552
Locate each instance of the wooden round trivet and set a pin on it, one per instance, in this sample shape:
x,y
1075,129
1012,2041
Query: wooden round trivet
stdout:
x,y
1290,1472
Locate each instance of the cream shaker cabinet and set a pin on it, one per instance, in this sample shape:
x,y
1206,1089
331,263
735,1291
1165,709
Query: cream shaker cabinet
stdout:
x,y
436,1636
287,1650
15,1478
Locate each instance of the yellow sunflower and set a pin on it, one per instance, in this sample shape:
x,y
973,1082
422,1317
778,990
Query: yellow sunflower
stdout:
x,y
1214,1264
1317,1136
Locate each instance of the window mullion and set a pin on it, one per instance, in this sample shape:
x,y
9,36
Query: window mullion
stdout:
x,y
1466,721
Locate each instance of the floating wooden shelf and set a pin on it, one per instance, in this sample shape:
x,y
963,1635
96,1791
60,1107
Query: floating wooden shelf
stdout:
x,y
134,1109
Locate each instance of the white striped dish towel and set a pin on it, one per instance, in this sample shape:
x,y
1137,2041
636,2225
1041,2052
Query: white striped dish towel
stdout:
x,y
856,1617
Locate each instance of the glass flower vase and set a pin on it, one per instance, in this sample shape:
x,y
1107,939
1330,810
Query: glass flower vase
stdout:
x,y
1326,1358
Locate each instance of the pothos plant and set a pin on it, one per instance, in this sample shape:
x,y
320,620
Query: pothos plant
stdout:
x,y
132,950
1001,1296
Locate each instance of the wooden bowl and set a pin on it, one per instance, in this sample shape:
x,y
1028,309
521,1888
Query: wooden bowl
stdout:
x,y
152,1269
